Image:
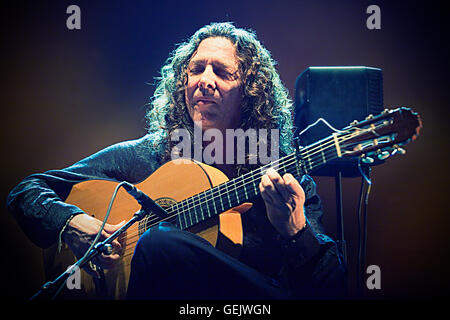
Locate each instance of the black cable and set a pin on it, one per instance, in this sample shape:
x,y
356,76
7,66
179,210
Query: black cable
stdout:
x,y
362,226
358,263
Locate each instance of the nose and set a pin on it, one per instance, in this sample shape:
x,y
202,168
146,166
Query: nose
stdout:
x,y
207,83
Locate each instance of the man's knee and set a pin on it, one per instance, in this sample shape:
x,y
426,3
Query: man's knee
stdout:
x,y
157,238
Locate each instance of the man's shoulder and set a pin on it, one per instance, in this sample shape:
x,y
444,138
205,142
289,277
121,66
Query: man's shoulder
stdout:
x,y
147,145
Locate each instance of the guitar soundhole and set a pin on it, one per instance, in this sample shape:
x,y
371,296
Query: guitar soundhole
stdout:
x,y
152,220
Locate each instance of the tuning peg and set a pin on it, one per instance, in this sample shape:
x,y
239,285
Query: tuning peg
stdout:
x,y
398,149
367,160
354,123
383,155
370,116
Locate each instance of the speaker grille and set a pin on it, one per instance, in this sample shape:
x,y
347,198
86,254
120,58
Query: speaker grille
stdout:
x,y
339,95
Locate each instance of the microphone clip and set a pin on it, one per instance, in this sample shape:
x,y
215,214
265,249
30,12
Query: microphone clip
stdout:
x,y
148,204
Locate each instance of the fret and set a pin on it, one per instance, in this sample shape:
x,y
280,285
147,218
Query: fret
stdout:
x,y
228,195
209,212
236,192
215,209
201,206
336,144
310,163
305,169
245,189
211,202
207,203
202,200
297,167
323,155
180,225
189,212
194,208
220,198
305,159
254,186
184,217
189,220
299,161
184,223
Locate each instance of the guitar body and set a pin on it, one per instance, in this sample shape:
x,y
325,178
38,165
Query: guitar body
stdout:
x,y
173,182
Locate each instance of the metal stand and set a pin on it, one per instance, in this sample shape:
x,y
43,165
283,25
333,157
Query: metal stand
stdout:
x,y
51,288
340,217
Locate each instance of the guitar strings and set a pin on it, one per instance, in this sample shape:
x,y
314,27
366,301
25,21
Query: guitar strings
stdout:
x,y
289,161
186,207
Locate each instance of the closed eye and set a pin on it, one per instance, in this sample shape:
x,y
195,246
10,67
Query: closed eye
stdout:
x,y
222,72
196,69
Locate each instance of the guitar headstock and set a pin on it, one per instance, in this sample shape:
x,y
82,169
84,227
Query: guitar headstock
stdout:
x,y
381,135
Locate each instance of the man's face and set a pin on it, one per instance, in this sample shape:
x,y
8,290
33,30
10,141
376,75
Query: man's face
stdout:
x,y
213,93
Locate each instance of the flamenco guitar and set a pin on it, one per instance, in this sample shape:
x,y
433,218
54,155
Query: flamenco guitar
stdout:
x,y
201,199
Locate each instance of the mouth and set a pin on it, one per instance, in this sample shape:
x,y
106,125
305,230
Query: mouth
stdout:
x,y
204,101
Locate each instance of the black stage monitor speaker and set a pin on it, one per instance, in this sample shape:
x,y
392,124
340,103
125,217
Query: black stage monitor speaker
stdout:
x,y
339,95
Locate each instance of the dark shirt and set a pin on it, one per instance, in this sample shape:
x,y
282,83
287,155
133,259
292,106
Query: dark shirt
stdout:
x,y
309,265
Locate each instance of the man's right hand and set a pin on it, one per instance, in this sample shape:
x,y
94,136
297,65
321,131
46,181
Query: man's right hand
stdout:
x,y
80,233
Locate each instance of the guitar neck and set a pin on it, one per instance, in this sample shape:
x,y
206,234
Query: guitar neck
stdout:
x,y
232,193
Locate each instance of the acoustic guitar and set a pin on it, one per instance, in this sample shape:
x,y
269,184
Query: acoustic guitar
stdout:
x,y
201,199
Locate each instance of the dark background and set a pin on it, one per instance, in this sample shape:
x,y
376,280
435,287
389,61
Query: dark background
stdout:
x,y
67,94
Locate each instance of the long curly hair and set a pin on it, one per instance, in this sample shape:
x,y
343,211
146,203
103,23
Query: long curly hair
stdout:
x,y
266,103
